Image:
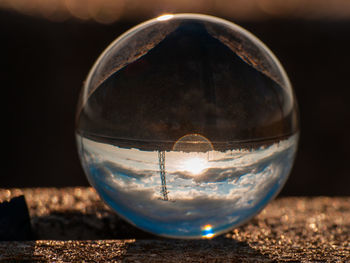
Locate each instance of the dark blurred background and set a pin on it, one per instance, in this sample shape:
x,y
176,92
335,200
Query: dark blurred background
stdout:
x,y
48,46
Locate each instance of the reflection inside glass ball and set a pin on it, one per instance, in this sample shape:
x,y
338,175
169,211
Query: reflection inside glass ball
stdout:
x,y
195,145
194,165
187,126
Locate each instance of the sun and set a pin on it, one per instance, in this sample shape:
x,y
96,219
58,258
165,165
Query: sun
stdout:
x,y
194,149
194,165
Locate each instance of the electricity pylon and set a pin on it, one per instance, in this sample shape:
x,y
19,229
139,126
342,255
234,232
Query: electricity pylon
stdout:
x,y
164,191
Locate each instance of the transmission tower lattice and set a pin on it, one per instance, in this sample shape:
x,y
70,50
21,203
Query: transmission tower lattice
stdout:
x,y
164,191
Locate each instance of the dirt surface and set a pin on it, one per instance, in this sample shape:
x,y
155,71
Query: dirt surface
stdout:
x,y
73,225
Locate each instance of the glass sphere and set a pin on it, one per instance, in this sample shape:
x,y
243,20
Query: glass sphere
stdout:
x,y
187,126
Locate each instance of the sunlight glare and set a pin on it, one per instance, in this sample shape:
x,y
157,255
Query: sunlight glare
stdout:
x,y
165,17
208,232
195,165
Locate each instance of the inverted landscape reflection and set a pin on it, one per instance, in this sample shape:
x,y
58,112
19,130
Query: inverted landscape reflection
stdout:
x,y
208,192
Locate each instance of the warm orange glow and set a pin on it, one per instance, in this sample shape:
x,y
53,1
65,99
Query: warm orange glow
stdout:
x,y
108,11
207,227
208,236
193,143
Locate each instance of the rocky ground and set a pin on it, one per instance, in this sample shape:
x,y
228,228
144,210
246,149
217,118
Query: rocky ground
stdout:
x,y
73,225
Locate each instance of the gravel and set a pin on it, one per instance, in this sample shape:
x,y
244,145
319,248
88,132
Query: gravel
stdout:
x,y
74,225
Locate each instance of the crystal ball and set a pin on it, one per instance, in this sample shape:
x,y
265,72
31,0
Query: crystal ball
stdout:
x,y
187,126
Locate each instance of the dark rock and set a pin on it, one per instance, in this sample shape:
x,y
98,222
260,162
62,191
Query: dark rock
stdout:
x,y
14,220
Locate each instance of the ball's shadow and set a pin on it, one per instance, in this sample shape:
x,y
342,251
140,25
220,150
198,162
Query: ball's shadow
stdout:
x,y
74,225
79,226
